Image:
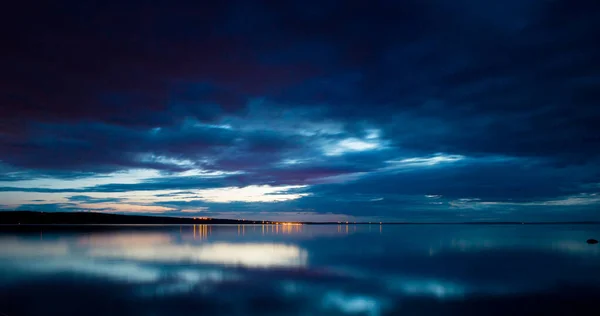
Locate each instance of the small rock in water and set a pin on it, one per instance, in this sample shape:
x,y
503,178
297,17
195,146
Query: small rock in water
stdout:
x,y
592,241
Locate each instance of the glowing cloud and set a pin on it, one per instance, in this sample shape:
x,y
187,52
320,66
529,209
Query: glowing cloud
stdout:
x,y
253,193
425,161
351,145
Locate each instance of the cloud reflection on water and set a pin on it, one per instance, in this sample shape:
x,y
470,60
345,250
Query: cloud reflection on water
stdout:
x,y
247,254
364,272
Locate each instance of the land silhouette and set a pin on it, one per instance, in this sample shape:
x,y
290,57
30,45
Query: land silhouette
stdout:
x,y
92,218
89,218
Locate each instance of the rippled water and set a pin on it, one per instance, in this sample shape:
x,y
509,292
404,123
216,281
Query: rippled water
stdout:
x,y
299,270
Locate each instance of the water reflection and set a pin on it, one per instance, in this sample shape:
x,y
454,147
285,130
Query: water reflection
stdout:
x,y
203,231
16,248
291,269
246,254
125,239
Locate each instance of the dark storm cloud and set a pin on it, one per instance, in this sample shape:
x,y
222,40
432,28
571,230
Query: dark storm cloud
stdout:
x,y
266,88
524,76
104,148
166,183
10,173
83,61
496,181
475,188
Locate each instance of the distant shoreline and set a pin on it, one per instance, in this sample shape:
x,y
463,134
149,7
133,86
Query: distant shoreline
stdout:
x,y
11,218
91,218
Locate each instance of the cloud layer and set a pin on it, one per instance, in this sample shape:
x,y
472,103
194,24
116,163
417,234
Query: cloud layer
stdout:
x,y
416,110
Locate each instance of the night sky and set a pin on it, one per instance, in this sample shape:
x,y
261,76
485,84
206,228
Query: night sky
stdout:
x,y
415,110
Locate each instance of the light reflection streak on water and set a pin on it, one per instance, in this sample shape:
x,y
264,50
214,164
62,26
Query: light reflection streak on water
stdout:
x,y
203,231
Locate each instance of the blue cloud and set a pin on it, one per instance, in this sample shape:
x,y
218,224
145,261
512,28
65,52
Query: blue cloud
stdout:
x,y
92,200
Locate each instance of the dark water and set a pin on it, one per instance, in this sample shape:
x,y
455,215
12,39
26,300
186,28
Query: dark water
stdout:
x,y
300,270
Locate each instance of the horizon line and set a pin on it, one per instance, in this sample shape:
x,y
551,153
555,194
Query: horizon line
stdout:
x,y
273,222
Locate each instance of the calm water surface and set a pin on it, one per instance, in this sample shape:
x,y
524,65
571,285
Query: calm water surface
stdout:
x,y
300,270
